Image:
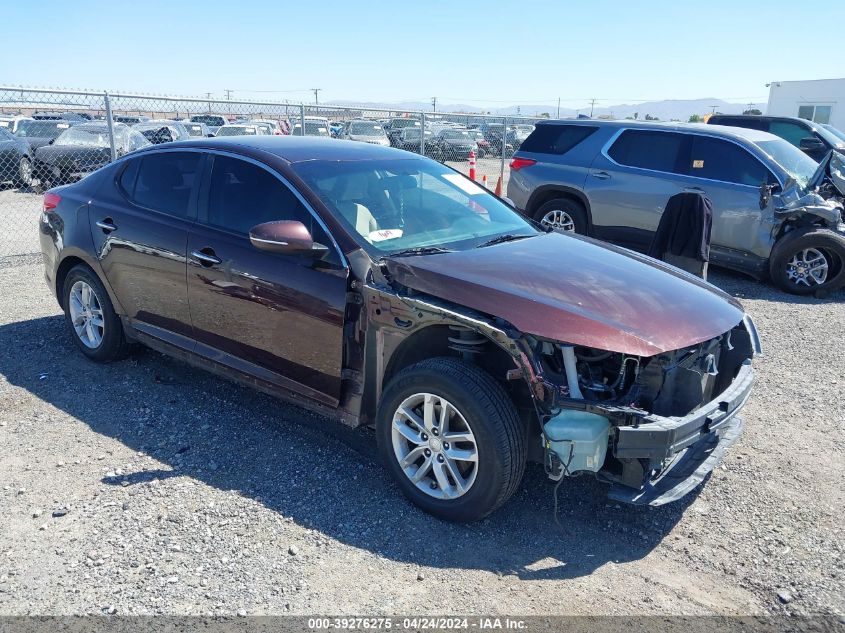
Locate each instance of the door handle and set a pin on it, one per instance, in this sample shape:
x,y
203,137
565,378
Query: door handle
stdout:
x,y
206,257
106,225
601,175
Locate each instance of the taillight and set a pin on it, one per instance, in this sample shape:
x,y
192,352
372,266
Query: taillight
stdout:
x,y
51,201
519,163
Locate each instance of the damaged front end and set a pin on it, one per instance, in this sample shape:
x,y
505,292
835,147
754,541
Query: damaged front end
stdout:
x,y
667,419
820,201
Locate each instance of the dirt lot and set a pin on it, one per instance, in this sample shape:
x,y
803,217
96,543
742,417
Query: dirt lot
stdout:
x,y
147,487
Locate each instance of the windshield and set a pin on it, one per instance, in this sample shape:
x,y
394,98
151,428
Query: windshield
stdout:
x,y
209,119
312,128
828,136
399,123
365,128
194,130
836,132
393,205
237,130
85,136
41,129
794,162
456,134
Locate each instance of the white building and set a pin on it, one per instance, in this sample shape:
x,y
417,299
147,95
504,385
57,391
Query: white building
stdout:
x,y
819,100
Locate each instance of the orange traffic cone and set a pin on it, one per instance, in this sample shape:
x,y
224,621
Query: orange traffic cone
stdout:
x,y
498,190
484,181
472,164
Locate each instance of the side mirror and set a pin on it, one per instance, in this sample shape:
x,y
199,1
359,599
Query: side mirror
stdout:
x,y
766,195
50,142
811,144
285,236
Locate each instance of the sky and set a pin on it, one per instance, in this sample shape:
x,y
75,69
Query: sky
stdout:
x,y
486,54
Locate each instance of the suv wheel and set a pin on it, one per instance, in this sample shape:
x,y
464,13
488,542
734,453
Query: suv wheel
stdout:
x,y
451,438
808,261
563,215
90,317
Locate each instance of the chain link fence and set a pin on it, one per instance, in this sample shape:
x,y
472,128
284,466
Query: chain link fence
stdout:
x,y
51,137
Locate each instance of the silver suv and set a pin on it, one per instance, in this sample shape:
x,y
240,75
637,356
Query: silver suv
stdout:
x,y
776,211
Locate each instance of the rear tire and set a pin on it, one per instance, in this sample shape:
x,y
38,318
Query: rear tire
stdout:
x,y
24,177
563,215
478,410
90,317
808,261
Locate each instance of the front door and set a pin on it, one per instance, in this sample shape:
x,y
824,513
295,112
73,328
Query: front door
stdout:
x,y
139,224
278,317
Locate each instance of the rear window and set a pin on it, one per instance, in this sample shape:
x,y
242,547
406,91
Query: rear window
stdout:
x,y
162,182
648,149
555,139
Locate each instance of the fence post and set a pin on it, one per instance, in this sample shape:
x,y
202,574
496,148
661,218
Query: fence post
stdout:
x,y
302,117
422,133
504,144
110,123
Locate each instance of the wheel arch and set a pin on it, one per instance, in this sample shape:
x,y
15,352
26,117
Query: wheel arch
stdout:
x,y
67,263
543,194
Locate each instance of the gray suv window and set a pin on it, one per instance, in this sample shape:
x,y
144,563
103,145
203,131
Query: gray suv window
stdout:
x,y
717,159
660,151
555,139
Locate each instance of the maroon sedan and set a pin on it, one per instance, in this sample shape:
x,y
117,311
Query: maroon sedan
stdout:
x,y
382,288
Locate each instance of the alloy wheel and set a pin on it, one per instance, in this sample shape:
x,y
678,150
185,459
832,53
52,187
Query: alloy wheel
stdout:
x,y
25,172
808,267
86,314
559,220
434,445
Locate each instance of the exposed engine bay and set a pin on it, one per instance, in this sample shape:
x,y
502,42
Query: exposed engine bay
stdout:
x,y
822,200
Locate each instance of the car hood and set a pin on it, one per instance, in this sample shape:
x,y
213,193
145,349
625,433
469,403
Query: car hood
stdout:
x,y
576,290
37,141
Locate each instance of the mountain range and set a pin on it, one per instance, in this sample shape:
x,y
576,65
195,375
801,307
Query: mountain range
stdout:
x,y
668,109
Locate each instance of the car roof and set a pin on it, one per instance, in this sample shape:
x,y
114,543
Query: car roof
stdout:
x,y
296,149
726,131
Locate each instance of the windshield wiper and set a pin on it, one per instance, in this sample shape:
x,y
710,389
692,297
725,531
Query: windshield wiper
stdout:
x,y
507,237
421,250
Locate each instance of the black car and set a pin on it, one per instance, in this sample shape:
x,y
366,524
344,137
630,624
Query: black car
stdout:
x,y
812,138
452,144
42,132
82,149
395,127
15,160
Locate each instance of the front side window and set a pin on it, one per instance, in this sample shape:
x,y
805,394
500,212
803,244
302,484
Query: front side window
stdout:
x,y
394,205
717,159
646,149
162,182
790,132
243,195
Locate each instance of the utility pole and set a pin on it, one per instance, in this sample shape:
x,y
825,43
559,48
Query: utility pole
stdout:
x,y
592,103
316,99
208,96
713,109
229,95
558,108
434,104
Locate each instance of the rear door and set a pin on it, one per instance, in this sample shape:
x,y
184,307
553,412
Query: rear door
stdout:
x,y
139,225
630,181
278,317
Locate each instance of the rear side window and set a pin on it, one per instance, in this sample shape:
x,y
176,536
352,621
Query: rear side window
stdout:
x,y
243,194
162,182
716,159
660,151
555,139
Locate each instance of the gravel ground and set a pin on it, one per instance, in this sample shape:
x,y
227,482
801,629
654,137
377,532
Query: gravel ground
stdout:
x,y
146,487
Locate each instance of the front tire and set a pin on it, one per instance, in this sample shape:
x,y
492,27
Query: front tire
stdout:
x,y
805,262
24,176
563,215
90,317
451,438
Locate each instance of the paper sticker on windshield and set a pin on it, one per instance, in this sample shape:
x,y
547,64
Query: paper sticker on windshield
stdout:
x,y
698,164
465,185
384,234
196,128
63,126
